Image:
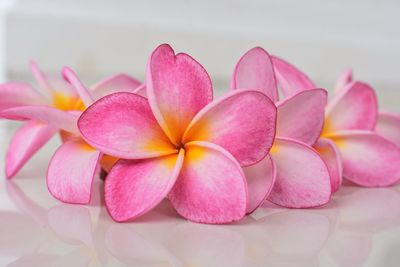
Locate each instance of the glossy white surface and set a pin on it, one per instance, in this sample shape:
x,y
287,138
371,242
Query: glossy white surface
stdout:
x,y
360,227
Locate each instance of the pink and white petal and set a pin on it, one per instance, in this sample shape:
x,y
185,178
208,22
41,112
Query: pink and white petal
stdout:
x,y
301,116
134,187
19,94
177,88
290,79
254,70
260,179
242,122
388,126
122,125
25,143
51,85
331,155
84,94
368,159
113,84
344,79
71,172
355,107
302,179
211,187
53,117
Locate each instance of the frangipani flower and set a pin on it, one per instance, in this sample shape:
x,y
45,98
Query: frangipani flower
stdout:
x,y
73,166
349,135
387,124
302,177
17,100
178,143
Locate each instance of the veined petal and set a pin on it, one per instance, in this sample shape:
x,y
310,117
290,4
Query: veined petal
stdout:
x,y
242,122
368,159
211,187
331,155
344,79
260,179
25,143
290,79
254,70
122,125
301,116
302,179
53,117
353,108
114,84
133,187
388,126
71,172
177,88
19,94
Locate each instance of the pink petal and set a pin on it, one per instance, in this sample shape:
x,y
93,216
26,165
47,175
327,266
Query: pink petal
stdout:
x,y
388,126
211,187
122,125
71,172
260,178
368,159
47,115
353,108
18,94
344,79
301,116
242,122
290,79
302,179
25,143
331,155
116,83
132,188
82,91
254,70
178,87
52,85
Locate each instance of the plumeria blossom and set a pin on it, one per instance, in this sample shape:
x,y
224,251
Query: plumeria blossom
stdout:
x,y
355,136
178,143
387,124
74,165
53,96
293,175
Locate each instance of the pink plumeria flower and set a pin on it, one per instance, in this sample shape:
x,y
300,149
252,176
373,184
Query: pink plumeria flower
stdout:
x,y
349,142
18,99
74,165
387,124
177,143
294,175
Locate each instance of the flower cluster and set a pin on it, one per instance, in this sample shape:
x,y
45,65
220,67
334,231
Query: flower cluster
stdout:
x,y
214,160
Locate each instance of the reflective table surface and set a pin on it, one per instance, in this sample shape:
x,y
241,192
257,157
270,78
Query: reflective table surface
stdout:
x,y
360,227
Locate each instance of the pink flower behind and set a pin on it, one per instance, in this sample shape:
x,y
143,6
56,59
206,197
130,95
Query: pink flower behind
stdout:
x,y
296,176
365,140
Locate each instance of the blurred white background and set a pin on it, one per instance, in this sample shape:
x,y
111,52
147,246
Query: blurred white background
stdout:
x,y
100,37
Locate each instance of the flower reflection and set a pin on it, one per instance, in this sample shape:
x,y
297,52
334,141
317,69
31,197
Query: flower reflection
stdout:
x,y
341,234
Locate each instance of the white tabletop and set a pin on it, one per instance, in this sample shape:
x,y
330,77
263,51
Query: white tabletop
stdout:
x,y
360,227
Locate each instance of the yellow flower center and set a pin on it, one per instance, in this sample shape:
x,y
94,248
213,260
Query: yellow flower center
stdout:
x,y
65,102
